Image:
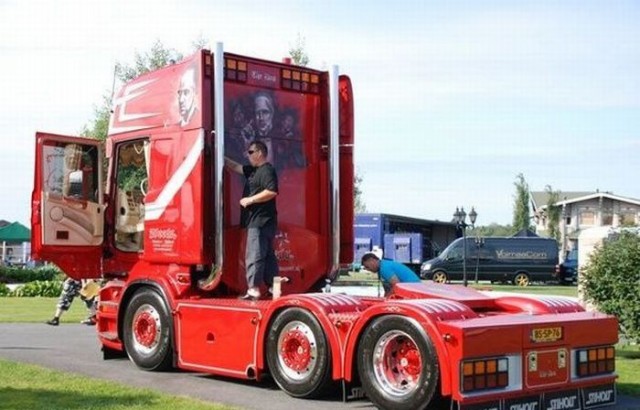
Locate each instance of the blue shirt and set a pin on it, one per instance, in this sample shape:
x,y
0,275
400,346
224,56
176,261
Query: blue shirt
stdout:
x,y
389,269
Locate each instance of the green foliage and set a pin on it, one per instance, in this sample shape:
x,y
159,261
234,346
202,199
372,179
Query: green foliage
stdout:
x,y
24,275
358,202
493,229
521,216
298,53
39,288
611,281
4,289
98,126
159,56
553,213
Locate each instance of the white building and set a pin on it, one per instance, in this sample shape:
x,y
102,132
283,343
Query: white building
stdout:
x,y
582,210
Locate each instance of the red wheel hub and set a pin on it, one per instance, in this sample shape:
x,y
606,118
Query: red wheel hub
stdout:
x,y
145,329
408,358
296,350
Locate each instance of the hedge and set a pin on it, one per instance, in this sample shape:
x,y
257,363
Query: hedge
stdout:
x,y
25,275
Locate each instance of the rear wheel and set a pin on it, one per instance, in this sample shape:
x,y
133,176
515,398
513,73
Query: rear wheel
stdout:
x,y
147,331
439,277
298,354
521,279
397,364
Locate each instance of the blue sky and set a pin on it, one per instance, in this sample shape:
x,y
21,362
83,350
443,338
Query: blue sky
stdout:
x,y
453,98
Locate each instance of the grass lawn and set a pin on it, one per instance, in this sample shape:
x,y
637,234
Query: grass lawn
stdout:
x,y
38,310
24,386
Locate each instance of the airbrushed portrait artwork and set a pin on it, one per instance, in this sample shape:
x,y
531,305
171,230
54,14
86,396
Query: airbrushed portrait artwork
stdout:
x,y
256,116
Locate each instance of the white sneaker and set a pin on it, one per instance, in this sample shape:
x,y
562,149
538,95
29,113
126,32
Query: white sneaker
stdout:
x,y
252,294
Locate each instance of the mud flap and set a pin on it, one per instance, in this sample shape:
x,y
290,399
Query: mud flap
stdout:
x,y
352,391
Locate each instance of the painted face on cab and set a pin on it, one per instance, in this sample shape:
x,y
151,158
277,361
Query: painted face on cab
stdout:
x,y
263,114
186,94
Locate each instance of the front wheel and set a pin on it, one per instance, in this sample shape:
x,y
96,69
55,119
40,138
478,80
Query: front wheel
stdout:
x,y
440,277
521,279
147,331
397,364
298,354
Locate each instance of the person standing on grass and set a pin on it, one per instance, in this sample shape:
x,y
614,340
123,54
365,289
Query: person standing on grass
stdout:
x,y
70,289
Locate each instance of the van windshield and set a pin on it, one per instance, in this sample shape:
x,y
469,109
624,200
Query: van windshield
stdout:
x,y
453,251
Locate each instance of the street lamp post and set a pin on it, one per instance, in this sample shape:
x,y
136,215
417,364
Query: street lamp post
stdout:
x,y
460,217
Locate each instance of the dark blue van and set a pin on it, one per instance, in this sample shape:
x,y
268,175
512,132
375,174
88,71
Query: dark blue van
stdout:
x,y
519,260
567,271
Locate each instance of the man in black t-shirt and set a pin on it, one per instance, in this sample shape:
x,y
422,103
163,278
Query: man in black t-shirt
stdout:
x,y
259,216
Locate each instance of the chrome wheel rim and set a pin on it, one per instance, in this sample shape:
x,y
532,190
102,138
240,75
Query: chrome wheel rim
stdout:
x,y
397,363
146,329
297,351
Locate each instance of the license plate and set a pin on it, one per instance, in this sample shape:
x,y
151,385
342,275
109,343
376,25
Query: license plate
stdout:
x,y
546,334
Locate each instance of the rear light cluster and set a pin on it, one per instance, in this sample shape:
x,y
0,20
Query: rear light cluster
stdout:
x,y
485,374
235,70
595,360
300,81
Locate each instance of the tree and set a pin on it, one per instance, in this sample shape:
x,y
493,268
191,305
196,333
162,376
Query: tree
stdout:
x,y
521,217
493,229
157,57
358,203
611,281
553,212
298,53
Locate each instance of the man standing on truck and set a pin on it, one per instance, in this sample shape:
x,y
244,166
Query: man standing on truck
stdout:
x,y
259,215
390,272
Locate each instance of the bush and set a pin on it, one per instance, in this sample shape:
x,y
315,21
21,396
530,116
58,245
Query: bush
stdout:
x,y
4,289
25,275
611,281
39,288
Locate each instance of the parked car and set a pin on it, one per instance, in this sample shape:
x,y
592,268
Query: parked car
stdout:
x,y
567,271
519,260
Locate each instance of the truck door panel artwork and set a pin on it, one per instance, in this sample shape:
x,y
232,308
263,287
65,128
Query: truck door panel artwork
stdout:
x,y
66,207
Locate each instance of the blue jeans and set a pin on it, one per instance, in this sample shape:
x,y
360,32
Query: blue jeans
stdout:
x,y
260,258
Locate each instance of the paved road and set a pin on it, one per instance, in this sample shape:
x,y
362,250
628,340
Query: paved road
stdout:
x,y
75,348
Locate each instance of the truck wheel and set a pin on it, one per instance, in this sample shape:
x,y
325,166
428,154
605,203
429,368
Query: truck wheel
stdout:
x,y
298,354
397,364
521,279
440,277
147,331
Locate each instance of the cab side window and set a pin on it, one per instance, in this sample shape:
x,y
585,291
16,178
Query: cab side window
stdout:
x,y
131,188
69,171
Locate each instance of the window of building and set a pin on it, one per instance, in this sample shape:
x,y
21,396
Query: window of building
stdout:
x,y
628,216
587,217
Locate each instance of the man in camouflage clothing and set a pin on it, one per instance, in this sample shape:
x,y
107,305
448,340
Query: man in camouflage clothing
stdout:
x,y
70,289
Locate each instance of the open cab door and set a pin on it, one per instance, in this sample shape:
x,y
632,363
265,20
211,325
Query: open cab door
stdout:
x,y
67,210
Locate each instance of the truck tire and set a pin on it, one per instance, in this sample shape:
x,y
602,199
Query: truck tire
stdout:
x,y
147,331
521,279
440,277
298,355
397,364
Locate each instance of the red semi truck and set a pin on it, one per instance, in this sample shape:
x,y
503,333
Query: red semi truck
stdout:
x,y
166,240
